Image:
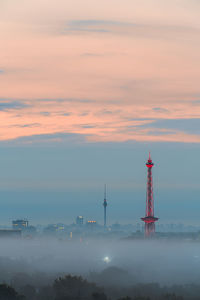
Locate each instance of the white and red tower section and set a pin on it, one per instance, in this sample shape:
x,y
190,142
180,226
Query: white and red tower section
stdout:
x,y
149,218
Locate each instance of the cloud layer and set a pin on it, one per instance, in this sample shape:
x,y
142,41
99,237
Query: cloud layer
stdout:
x,y
106,72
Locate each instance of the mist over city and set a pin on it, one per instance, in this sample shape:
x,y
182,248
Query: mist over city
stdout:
x,y
128,263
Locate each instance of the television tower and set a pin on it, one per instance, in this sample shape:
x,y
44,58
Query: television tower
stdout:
x,y
105,205
149,218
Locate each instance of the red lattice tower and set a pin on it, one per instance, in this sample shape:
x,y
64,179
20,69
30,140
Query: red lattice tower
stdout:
x,y
149,219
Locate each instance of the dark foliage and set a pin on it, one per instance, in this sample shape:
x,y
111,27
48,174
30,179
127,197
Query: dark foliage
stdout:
x,y
172,297
99,296
112,276
28,291
9,293
74,288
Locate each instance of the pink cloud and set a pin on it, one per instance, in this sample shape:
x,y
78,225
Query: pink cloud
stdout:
x,y
121,68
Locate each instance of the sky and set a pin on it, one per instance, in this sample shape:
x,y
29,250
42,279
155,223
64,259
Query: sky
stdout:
x,y
87,88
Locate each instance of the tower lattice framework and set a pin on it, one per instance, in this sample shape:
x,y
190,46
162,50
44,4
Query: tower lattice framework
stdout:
x,y
149,218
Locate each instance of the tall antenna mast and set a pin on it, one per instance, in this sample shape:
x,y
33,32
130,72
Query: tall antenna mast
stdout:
x,y
105,206
149,218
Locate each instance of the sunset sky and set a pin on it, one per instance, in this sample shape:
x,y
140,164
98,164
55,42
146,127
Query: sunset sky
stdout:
x,y
87,88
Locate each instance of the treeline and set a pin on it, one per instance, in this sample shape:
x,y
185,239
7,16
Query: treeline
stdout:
x,y
76,288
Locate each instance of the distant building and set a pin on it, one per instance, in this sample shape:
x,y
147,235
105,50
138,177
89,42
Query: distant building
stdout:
x,y
79,220
20,224
91,224
54,229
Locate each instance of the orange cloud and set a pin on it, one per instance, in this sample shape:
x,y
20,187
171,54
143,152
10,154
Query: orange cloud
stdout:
x,y
100,72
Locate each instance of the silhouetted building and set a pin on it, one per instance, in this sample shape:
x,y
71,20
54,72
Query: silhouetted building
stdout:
x,y
91,224
79,220
20,224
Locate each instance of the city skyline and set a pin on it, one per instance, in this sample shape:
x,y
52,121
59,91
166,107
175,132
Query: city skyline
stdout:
x,y
41,203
